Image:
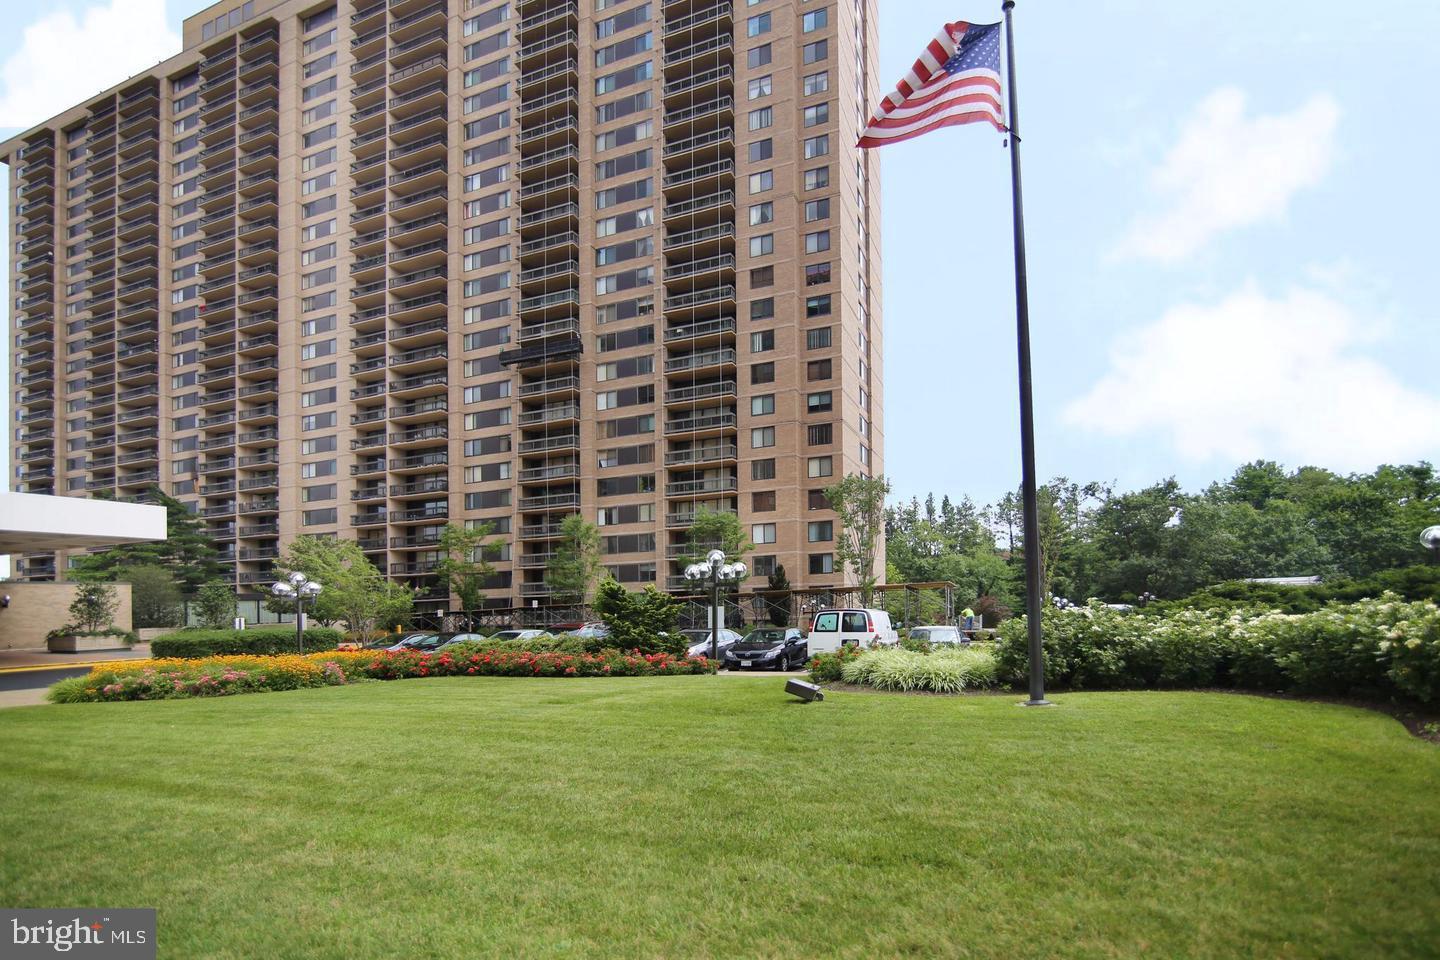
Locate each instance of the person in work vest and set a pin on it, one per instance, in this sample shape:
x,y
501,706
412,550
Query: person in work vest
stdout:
x,y
969,616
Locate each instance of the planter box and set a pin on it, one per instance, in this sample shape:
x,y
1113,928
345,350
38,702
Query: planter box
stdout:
x,y
73,644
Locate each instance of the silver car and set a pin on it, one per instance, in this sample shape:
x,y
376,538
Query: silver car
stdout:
x,y
939,636
518,635
699,638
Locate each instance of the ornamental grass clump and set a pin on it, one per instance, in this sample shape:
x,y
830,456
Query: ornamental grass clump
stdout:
x,y
946,670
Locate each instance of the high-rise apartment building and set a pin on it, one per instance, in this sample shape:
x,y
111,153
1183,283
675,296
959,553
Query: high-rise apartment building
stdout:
x,y
365,269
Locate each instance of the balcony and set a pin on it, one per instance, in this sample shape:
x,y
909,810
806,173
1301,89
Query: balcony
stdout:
x,y
686,518
548,47
550,473
702,330
702,423
706,52
540,388
565,441
557,413
701,391
551,501
420,461
703,360
707,453
543,354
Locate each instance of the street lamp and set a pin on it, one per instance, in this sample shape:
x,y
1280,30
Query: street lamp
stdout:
x,y
299,588
1430,537
715,572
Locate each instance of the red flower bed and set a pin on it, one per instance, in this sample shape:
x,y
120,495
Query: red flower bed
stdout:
x,y
498,663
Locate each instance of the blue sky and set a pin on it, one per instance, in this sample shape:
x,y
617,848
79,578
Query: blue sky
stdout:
x,y
1229,209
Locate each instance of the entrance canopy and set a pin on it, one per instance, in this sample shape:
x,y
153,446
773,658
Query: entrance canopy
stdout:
x,y
39,523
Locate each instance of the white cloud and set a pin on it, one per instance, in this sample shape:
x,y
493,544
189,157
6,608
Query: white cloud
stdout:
x,y
62,61
1231,170
1258,377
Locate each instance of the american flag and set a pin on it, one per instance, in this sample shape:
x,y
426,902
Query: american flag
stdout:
x,y
955,81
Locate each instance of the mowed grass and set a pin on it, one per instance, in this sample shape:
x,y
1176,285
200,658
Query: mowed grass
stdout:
x,y
712,817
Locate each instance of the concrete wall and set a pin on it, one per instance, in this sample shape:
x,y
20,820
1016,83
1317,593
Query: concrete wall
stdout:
x,y
37,608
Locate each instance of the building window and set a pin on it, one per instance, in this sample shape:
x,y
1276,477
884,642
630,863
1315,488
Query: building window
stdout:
x,y
820,531
816,83
762,533
816,115
763,405
814,20
817,467
762,501
817,274
822,563
761,437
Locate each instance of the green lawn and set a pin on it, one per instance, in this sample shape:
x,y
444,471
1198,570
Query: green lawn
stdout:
x,y
712,817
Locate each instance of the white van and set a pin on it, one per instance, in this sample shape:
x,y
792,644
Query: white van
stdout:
x,y
832,629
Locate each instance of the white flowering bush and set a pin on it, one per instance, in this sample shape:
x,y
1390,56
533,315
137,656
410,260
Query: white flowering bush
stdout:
x,y
947,670
1384,647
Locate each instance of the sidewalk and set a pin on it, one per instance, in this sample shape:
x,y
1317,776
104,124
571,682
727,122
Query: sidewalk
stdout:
x,y
15,661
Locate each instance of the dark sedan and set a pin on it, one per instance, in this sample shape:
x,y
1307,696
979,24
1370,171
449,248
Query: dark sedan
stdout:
x,y
768,648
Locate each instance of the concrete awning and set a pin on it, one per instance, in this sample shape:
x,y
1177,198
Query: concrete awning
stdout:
x,y
39,523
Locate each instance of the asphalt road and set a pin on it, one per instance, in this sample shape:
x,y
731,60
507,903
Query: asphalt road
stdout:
x,y
37,679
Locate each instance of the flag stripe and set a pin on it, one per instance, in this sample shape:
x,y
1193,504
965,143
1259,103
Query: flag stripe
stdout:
x,y
956,80
955,116
909,118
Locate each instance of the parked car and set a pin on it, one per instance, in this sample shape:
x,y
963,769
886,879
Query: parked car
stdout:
x,y
699,640
461,638
518,635
939,636
851,627
768,648
591,631
422,642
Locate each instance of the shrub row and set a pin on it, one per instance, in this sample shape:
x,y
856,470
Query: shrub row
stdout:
x,y
1386,648
263,641
549,643
1407,583
947,670
170,679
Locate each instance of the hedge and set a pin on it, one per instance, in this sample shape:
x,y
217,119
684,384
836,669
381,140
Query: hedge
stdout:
x,y
1407,583
189,644
174,679
1385,648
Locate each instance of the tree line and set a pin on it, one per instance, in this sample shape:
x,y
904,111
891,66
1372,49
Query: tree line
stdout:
x,y
1164,542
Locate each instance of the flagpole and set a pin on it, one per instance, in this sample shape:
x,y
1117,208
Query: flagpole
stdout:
x,y
1034,598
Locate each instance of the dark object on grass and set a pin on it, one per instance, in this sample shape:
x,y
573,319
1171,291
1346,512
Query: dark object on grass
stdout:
x,y
805,691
